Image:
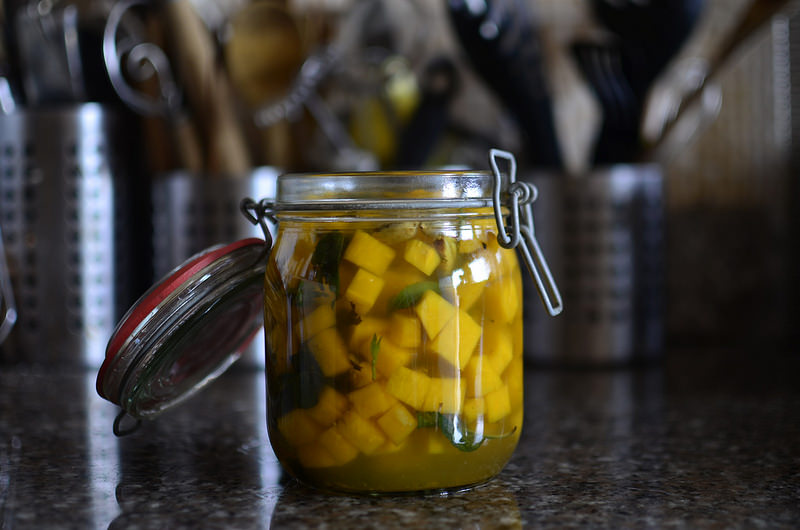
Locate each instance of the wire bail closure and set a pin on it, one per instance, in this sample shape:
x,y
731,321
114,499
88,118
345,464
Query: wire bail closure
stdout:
x,y
257,213
520,196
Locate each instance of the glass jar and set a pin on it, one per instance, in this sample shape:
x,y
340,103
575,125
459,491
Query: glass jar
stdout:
x,y
393,318
392,305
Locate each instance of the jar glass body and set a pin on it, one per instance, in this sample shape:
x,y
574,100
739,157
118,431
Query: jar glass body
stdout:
x,y
393,349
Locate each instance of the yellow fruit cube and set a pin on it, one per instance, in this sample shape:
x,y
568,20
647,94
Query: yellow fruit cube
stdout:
x,y
397,278
363,290
437,444
457,339
330,406
340,449
480,377
467,293
498,347
445,395
360,374
369,253
434,312
474,408
514,382
503,300
409,386
498,404
397,423
389,447
321,318
390,358
330,352
371,400
298,428
360,432
405,330
365,330
468,246
314,455
422,256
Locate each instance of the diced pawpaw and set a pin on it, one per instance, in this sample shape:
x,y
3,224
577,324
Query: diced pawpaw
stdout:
x,y
474,408
363,290
434,312
457,339
422,256
371,400
503,300
330,352
314,455
330,406
437,444
361,432
514,381
468,246
497,346
341,450
480,377
298,428
498,404
409,386
405,330
321,318
360,374
365,330
397,423
467,293
391,357
445,395
369,253
389,447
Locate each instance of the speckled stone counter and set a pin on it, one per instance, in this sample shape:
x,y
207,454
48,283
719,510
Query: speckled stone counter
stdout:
x,y
702,440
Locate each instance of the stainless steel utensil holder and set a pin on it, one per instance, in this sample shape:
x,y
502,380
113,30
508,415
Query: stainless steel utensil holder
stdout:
x,y
603,235
192,212
67,180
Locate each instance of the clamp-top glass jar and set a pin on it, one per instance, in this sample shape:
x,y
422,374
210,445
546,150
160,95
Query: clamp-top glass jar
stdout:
x,y
393,314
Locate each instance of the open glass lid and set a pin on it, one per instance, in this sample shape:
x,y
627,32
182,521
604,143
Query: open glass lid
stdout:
x,y
186,330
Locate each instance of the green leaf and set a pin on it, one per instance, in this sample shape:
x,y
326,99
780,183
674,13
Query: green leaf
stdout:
x,y
326,258
453,427
374,348
411,294
427,419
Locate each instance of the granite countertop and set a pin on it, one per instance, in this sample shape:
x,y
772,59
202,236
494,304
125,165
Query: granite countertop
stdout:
x,y
700,440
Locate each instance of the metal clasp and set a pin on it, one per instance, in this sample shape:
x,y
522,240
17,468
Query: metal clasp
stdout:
x,y
257,213
520,227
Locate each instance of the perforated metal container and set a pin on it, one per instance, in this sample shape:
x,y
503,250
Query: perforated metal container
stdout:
x,y
603,234
68,181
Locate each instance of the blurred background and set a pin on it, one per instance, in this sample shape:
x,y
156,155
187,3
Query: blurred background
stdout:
x,y
130,130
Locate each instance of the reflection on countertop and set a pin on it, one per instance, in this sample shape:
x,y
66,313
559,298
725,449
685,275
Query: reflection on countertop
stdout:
x,y
700,440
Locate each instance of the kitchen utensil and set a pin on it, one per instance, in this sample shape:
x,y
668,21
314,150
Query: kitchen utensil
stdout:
x,y
647,36
694,94
439,84
502,44
144,61
49,53
7,304
208,90
74,220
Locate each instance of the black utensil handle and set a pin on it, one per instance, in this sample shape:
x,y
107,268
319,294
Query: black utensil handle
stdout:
x,y
505,51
